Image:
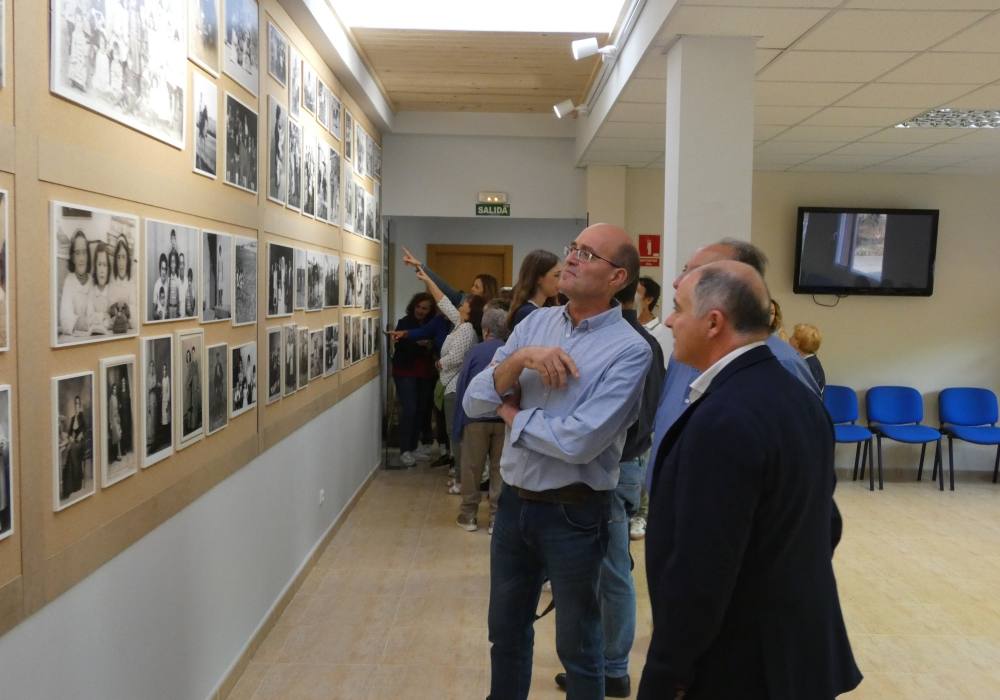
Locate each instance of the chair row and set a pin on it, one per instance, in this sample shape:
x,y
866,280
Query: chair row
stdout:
x,y
897,413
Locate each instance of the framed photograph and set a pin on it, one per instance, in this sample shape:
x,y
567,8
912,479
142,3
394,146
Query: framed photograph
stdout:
x,y
274,365
322,182
217,359
242,43
315,265
73,441
190,387
308,88
359,208
216,273
303,362
206,122
294,81
290,339
245,281
243,389
4,269
132,80
119,453
316,354
346,353
376,287
277,151
356,338
301,285
348,136
277,54
364,337
369,216
7,494
334,170
156,358
367,286
323,104
349,280
348,180
377,159
172,254
280,272
360,159
293,175
370,155
335,110
241,145
95,276
309,144
203,34
331,298
332,347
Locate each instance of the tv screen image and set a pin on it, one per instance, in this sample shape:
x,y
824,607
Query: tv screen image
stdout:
x,y
865,251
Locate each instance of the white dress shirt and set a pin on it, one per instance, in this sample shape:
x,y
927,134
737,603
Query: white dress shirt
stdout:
x,y
700,385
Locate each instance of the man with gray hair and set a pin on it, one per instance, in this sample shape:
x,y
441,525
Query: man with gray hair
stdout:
x,y
742,522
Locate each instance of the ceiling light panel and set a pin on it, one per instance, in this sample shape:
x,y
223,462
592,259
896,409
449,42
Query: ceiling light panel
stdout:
x,y
954,119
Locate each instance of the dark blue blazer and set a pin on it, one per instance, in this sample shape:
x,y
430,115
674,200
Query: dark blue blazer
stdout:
x,y
739,545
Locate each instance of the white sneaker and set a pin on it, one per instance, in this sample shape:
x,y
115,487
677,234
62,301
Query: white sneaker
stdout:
x,y
420,456
424,451
407,459
455,489
453,472
637,528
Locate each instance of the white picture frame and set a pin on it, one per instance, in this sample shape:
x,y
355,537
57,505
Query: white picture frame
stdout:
x,y
8,488
277,54
166,242
155,353
73,439
189,387
203,35
217,268
290,356
244,281
240,155
118,414
217,387
277,151
275,365
243,387
205,134
241,44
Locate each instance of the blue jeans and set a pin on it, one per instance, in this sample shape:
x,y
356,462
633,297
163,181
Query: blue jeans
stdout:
x,y
416,400
567,541
617,585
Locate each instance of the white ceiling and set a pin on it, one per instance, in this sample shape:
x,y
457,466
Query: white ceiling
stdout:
x,y
833,77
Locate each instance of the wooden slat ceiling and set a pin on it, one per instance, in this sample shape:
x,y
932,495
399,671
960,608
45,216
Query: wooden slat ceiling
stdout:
x,y
476,71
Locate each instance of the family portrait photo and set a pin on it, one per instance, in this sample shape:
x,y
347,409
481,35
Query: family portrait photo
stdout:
x,y
217,367
308,88
301,287
156,359
350,268
206,124
332,285
6,459
331,350
277,54
216,277
315,272
303,361
241,44
171,271
119,453
245,281
322,182
349,187
203,34
335,109
73,438
241,145
190,389
294,81
290,339
244,373
356,353
334,170
95,275
277,151
293,173
315,354
309,144
322,104
348,135
274,367
280,271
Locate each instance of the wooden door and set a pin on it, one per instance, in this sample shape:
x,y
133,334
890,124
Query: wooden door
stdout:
x,y
459,264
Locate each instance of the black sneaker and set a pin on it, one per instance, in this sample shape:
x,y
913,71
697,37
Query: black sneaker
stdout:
x,y
444,460
614,686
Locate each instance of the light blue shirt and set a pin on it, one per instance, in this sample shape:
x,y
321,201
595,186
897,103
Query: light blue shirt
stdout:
x,y
574,434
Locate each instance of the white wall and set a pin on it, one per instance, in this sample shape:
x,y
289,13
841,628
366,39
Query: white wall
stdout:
x,y
167,617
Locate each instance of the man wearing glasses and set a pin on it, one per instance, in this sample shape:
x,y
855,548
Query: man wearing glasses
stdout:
x,y
567,384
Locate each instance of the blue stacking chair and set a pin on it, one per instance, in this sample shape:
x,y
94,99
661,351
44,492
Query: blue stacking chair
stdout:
x,y
971,415
842,404
895,412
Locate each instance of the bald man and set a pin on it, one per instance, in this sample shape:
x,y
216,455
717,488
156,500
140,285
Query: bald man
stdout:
x,y
567,384
742,522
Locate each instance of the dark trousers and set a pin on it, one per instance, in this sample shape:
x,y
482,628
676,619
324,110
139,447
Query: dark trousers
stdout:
x,y
416,398
531,538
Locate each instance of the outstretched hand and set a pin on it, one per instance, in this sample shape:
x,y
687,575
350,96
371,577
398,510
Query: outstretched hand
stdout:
x,y
410,259
422,276
554,365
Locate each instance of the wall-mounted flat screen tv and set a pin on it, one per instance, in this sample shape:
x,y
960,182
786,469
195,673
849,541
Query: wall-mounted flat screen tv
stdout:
x,y
865,251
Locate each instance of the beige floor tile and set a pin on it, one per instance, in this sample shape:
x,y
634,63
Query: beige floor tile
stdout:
x,y
359,579
418,682
441,609
313,682
332,644
462,583
352,609
249,681
436,646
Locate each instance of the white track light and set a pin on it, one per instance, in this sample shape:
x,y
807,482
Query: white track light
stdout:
x,y
584,48
566,107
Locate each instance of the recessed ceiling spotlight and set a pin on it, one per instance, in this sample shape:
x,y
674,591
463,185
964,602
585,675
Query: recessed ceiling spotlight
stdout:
x,y
585,48
566,107
947,118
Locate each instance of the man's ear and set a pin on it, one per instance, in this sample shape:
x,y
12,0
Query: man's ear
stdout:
x,y
716,320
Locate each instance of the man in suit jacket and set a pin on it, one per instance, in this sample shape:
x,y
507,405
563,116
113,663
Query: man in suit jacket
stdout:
x,y
742,521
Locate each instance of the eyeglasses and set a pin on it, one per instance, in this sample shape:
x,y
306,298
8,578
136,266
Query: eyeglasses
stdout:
x,y
585,256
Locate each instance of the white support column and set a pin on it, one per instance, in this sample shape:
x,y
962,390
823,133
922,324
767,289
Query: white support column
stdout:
x,y
708,171
606,194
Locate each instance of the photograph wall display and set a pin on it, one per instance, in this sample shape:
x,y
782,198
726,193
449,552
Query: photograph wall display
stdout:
x,y
348,223
322,181
294,81
309,144
335,110
95,274
277,151
301,285
348,333
277,54
323,104
119,433
241,145
316,346
217,367
315,273
334,169
73,441
203,34
206,125
308,88
293,175
245,281
331,297
242,43
244,371
7,495
369,216
4,269
303,362
156,358
135,80
190,388
216,276
172,255
290,340
359,208
348,135
330,352
349,279
274,364
356,338
280,272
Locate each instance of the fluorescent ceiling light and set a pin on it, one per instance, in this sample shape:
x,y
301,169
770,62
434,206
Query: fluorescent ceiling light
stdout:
x,y
592,16
947,118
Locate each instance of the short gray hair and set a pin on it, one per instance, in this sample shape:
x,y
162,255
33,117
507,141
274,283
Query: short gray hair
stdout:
x,y
747,252
495,321
746,311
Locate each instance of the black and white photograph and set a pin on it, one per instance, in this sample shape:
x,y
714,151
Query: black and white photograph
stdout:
x,y
369,216
7,495
349,282
349,186
356,339
245,281
216,276
119,453
360,157
303,362
308,88
323,104
294,81
203,34
156,359
190,388
348,135
104,57
370,156
277,54
365,327
217,368
243,389
331,297
172,255
242,43
347,323
4,269
322,182
241,145
376,287
366,286
309,144
359,208
280,272
315,354
277,151
301,284
206,125
290,340
331,351
95,275
293,174
73,438
335,109
334,170
274,366
377,159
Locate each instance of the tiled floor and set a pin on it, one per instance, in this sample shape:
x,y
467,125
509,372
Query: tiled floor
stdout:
x,y
396,606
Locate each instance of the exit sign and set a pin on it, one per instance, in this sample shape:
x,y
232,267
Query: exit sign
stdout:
x,y
493,209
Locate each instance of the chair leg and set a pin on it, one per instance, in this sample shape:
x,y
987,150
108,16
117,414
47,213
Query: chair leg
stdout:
x,y
951,461
996,466
857,457
938,456
920,469
872,485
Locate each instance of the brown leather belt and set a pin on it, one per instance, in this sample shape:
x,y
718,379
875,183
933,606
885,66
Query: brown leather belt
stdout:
x,y
573,494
